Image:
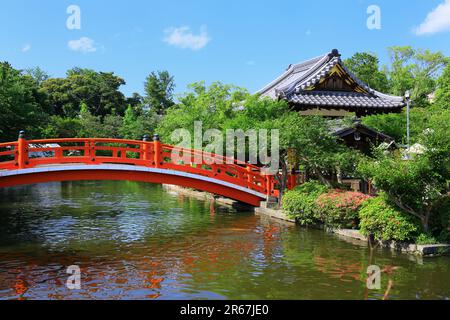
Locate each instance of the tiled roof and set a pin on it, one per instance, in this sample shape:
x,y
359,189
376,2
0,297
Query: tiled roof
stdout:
x,y
292,74
344,131
295,85
342,99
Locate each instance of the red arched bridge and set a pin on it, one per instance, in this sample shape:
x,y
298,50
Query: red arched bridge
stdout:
x,y
36,161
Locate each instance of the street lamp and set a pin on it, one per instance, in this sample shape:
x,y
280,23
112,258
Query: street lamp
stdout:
x,y
408,106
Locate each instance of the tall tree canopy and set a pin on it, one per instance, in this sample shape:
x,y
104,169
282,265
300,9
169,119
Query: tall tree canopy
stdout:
x,y
37,74
442,97
366,67
213,105
159,88
99,90
20,103
416,70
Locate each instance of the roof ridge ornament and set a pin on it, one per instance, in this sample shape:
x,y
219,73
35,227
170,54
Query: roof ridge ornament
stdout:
x,y
334,53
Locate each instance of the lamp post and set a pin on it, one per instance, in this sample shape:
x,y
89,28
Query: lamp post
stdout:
x,y
408,106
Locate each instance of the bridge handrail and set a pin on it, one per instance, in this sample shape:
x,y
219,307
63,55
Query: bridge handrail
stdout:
x,y
78,140
224,159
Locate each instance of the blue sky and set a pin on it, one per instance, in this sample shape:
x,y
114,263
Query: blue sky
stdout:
x,y
247,43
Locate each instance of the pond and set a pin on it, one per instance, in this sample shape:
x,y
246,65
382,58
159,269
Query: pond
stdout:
x,y
138,241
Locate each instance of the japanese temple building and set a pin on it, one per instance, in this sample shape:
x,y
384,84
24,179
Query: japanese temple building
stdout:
x,y
324,86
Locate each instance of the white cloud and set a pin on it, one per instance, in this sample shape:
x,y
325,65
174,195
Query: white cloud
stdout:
x,y
183,38
308,32
26,47
84,44
436,21
250,63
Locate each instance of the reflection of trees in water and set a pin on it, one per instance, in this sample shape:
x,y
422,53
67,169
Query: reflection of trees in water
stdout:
x,y
73,214
134,240
343,265
111,237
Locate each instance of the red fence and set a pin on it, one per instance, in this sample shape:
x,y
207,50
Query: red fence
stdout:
x,y
24,154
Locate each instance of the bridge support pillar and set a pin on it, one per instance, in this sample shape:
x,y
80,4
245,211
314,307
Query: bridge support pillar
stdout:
x,y
157,157
292,181
22,148
269,185
249,175
145,149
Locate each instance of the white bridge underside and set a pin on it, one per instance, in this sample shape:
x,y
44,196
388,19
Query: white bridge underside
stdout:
x,y
120,167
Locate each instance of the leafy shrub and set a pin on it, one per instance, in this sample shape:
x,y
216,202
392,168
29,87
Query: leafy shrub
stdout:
x,y
300,203
339,208
440,219
312,187
425,238
444,236
385,222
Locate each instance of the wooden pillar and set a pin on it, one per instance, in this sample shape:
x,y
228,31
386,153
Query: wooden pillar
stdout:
x,y
145,147
292,181
22,148
249,175
157,157
269,185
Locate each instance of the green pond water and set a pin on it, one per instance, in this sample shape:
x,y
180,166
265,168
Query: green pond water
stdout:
x,y
138,241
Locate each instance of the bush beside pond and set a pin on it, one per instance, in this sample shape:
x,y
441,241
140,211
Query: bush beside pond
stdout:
x,y
385,222
300,203
340,209
440,220
315,204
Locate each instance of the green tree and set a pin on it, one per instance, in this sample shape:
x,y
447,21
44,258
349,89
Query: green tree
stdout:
x,y
111,126
37,74
130,125
418,184
317,150
415,70
366,68
213,106
59,127
137,123
90,125
136,100
99,90
20,104
159,89
394,124
442,97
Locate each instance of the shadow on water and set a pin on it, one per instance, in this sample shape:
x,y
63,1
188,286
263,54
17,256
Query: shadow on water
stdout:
x,y
136,241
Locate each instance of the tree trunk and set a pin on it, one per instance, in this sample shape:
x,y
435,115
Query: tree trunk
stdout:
x,y
322,178
282,180
425,220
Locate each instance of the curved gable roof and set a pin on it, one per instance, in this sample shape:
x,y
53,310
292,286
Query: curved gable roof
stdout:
x,y
296,82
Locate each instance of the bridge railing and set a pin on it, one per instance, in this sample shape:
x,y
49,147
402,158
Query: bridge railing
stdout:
x,y
216,166
8,155
24,153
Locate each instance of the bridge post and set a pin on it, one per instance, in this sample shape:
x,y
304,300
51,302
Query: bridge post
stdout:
x,y
157,158
145,155
249,175
269,185
22,148
292,181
